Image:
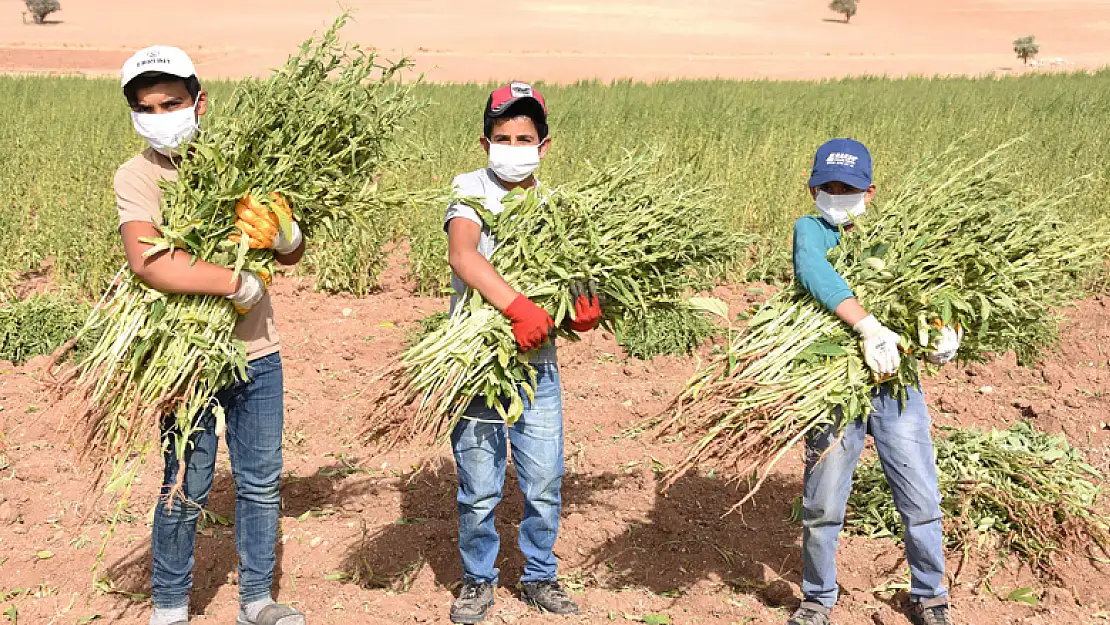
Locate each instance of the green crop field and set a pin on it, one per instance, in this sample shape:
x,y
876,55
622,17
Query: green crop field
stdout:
x,y
62,138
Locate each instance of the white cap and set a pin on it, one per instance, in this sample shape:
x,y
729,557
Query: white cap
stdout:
x,y
164,59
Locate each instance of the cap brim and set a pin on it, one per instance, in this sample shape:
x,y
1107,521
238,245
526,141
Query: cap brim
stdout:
x,y
177,73
855,181
508,104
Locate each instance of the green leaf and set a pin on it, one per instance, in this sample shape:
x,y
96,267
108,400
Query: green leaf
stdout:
x,y
1051,455
409,520
877,250
216,518
765,314
516,408
656,619
45,555
853,369
711,305
337,576
161,246
12,614
827,350
1023,594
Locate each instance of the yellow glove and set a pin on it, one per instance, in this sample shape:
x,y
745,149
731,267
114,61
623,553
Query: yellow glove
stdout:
x,y
260,222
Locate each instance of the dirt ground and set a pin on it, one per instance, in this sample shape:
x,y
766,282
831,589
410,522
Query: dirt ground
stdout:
x,y
626,550
469,40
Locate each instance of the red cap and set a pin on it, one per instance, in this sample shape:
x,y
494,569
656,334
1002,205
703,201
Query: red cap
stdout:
x,y
501,99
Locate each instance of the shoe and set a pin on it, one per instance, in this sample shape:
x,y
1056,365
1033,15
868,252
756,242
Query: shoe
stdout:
x,y
472,603
548,596
273,614
810,613
931,612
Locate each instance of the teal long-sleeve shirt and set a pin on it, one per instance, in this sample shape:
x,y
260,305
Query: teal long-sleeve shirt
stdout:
x,y
813,238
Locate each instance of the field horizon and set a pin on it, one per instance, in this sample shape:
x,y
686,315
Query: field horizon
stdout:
x,y
369,537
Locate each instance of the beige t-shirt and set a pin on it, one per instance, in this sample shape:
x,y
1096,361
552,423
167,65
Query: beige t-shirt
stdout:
x,y
139,198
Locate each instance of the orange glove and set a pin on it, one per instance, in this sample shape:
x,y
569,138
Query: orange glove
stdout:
x,y
260,222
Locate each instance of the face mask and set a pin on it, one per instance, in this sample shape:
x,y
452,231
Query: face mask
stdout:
x,y
513,163
838,210
166,132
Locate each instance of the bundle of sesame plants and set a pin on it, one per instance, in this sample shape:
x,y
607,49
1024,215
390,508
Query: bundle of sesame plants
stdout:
x,y
40,324
675,330
644,236
1018,490
957,243
310,137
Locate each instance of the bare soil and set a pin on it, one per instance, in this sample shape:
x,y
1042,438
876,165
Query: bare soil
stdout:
x,y
366,539
469,40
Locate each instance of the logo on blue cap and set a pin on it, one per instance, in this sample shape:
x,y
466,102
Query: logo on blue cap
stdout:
x,y
842,160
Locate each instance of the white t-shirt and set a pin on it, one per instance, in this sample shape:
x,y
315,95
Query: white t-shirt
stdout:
x,y
484,184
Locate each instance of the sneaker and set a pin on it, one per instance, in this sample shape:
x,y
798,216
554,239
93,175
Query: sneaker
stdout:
x,y
548,596
273,614
931,612
472,603
810,613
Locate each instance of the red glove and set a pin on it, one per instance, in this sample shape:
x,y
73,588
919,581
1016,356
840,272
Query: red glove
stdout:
x,y
587,307
531,324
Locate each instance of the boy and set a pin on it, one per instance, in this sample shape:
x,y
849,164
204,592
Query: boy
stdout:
x,y
166,101
515,136
840,184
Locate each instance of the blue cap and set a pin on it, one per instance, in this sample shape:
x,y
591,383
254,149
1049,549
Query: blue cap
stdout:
x,y
842,160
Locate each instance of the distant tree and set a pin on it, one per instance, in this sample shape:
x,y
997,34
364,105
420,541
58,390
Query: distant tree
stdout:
x,y
39,9
844,7
1026,48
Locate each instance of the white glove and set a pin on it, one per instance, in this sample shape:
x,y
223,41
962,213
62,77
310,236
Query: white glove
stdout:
x,y
880,346
289,245
251,289
945,348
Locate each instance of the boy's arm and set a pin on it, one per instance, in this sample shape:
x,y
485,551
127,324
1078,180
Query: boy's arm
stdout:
x,y
531,324
176,272
472,268
851,311
292,258
815,273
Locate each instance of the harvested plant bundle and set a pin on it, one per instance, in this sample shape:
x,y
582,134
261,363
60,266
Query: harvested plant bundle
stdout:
x,y
315,132
675,329
41,324
955,244
645,238
347,255
1017,489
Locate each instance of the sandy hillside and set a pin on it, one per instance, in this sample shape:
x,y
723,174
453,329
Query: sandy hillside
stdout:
x,y
463,40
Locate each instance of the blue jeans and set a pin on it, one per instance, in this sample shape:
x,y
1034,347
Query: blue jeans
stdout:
x,y
254,413
480,454
905,448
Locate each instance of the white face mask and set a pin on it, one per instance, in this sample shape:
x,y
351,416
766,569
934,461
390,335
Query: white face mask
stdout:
x,y
513,163
166,132
838,210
